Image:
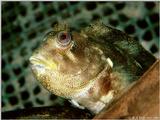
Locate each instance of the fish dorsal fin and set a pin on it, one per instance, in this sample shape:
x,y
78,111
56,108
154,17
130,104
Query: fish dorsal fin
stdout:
x,y
97,28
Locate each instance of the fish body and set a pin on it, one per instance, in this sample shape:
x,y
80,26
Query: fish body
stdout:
x,y
91,67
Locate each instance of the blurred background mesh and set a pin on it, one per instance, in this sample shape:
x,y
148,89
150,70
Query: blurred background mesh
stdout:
x,y
24,25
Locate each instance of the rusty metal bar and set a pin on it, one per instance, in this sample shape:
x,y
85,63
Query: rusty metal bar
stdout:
x,y
140,101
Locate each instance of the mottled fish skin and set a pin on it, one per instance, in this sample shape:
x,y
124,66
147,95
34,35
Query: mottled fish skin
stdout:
x,y
96,65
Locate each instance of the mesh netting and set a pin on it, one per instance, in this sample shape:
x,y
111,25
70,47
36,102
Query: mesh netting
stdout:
x,y
24,24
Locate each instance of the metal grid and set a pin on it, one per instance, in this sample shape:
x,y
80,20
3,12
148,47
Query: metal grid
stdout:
x,y
24,24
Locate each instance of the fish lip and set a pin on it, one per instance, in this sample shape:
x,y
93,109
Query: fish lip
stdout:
x,y
36,58
34,61
36,65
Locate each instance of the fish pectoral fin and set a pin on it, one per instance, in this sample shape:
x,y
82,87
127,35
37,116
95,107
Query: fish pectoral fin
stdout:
x,y
75,103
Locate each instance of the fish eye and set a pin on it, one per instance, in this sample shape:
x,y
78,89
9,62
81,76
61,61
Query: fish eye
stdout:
x,y
64,38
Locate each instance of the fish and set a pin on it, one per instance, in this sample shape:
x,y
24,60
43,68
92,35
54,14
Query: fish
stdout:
x,y
91,67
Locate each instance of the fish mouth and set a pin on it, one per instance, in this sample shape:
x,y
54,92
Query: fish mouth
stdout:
x,y
34,60
40,61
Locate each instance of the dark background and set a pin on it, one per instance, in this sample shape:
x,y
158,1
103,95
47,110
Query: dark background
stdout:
x,y
24,25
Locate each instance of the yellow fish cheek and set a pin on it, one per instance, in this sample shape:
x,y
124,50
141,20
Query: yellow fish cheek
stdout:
x,y
52,64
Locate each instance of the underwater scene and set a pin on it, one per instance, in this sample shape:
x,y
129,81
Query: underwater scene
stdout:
x,y
26,24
